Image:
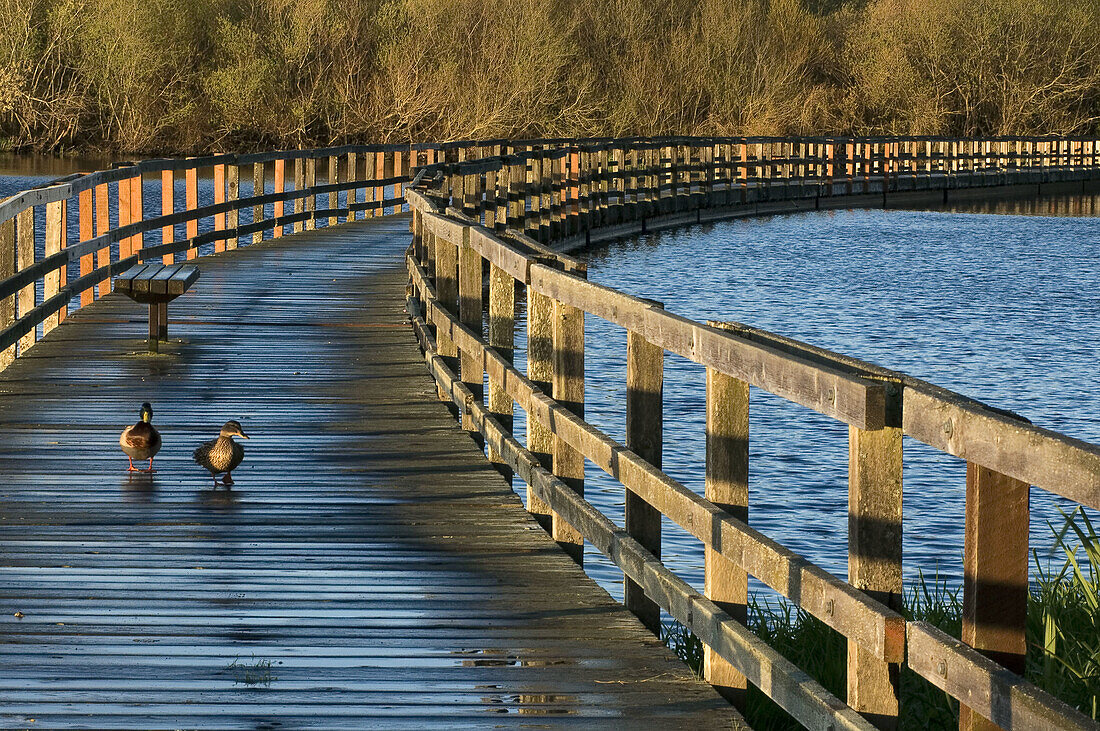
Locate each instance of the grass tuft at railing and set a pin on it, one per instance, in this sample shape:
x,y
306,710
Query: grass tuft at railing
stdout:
x,y
1063,637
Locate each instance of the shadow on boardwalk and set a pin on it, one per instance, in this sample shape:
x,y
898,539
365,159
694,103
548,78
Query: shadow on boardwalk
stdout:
x,y
368,569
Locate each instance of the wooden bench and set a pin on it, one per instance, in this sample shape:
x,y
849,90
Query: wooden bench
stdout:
x,y
156,285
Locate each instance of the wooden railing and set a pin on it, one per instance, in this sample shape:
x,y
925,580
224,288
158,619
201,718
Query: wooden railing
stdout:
x,y
513,214
505,202
46,270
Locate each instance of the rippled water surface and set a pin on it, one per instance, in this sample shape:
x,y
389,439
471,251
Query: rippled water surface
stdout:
x,y
1003,308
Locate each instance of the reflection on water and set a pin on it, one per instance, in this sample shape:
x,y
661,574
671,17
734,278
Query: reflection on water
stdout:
x,y
1001,308
1048,205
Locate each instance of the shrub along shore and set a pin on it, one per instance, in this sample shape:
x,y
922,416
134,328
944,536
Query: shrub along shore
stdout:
x,y
1063,637
164,76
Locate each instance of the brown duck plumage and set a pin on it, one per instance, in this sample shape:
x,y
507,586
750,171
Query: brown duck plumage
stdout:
x,y
142,440
222,454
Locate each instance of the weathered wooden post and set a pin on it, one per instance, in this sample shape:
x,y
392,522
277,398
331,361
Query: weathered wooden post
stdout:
x,y
727,486
502,324
517,194
311,199
7,269
25,256
546,195
53,280
645,367
219,198
232,194
299,205
191,200
874,552
446,288
470,314
259,187
279,187
351,176
568,390
540,370
167,208
87,227
333,196
380,190
995,578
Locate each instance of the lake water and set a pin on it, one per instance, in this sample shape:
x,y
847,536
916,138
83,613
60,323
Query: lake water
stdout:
x,y
1003,308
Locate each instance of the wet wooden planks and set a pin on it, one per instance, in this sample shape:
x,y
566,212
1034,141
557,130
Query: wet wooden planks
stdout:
x,y
368,569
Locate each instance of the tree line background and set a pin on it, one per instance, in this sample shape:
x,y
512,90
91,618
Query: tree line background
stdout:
x,y
187,76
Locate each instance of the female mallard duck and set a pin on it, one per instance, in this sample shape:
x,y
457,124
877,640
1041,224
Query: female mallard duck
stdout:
x,y
141,441
222,454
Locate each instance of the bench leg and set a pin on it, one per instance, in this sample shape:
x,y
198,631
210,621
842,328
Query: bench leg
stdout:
x,y
162,332
154,328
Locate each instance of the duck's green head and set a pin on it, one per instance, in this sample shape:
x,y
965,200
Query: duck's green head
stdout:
x,y
146,411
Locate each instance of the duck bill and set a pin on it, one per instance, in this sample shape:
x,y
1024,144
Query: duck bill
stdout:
x,y
242,435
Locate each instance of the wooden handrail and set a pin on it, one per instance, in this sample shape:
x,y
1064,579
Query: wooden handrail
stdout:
x,y
584,192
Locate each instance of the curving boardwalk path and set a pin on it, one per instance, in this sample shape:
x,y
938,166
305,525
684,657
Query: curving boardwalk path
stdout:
x,y
368,569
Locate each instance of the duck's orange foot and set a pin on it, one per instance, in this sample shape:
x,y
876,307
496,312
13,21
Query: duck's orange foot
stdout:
x,y
131,468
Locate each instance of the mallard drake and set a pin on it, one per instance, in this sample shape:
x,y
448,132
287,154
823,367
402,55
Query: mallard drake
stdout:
x,y
222,454
142,440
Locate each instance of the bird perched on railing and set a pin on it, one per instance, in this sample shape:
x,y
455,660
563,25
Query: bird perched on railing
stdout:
x,y
222,454
142,440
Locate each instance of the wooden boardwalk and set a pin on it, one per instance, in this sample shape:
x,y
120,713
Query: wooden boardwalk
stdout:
x,y
368,569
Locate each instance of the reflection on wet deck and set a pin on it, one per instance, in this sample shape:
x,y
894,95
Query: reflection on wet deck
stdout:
x,y
368,568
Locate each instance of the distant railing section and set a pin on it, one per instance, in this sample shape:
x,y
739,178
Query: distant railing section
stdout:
x,y
45,271
509,216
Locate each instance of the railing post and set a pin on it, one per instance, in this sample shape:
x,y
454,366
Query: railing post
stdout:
x,y
380,190
167,208
470,314
546,196
568,390
259,187
219,198
232,194
137,213
540,370
311,199
727,486
24,257
517,195
995,568
299,185
87,226
102,226
351,176
645,364
502,323
446,287
333,196
54,243
279,186
7,269
874,552
123,198
191,193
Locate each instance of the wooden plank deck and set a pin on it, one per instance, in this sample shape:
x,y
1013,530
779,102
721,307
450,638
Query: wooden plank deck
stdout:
x,y
367,550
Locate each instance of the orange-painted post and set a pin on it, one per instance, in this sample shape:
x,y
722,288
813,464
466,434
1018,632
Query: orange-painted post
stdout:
x,y
167,208
280,187
380,174
123,217
137,213
54,281
102,226
399,188
191,186
219,198
353,164
87,224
